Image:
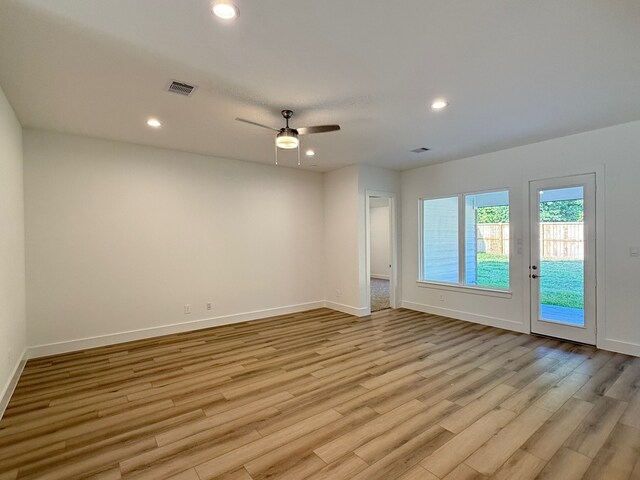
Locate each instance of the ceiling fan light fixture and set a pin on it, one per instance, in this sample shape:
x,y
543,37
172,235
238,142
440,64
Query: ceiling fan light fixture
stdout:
x,y
224,9
439,104
287,139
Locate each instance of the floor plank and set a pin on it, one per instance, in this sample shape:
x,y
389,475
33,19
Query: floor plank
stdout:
x,y
324,395
565,464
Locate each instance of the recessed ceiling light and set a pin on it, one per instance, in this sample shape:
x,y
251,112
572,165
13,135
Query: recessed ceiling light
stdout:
x,y
154,122
225,9
439,104
310,153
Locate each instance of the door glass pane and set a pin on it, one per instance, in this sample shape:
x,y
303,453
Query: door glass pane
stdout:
x,y
440,240
487,239
561,266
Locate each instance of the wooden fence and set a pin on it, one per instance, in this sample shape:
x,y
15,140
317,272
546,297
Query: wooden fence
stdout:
x,y
493,238
562,240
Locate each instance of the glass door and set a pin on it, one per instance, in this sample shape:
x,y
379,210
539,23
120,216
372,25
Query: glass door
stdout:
x,y
562,264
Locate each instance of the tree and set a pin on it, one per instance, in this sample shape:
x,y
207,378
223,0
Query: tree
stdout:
x,y
562,211
499,214
558,211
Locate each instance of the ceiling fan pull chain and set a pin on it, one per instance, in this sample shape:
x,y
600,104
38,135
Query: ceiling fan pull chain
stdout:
x,y
298,154
276,147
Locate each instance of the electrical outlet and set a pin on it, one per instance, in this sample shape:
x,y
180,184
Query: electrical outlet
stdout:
x,y
441,297
209,306
187,309
337,293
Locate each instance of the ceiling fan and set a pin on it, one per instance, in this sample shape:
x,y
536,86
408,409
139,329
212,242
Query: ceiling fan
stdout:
x,y
287,137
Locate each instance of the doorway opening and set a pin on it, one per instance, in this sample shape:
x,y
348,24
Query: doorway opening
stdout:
x,y
380,253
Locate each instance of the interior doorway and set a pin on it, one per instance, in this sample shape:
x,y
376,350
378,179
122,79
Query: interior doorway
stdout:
x,y
380,253
562,268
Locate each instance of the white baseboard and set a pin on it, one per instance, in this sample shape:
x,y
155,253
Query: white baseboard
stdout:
x,y
8,389
110,339
380,277
619,346
358,312
467,316
114,338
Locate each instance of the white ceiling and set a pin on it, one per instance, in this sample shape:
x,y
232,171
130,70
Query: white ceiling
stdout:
x,y
515,72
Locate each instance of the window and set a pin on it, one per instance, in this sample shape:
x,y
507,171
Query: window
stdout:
x,y
440,240
465,240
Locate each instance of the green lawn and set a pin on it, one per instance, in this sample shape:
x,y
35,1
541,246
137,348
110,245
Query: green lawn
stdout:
x,y
493,271
562,280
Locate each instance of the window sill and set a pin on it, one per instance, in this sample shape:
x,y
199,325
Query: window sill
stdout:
x,y
465,289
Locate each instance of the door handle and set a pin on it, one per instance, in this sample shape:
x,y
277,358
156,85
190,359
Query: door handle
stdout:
x,y
536,276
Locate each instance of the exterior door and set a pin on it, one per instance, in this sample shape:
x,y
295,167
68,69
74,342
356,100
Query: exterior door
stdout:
x,y
562,269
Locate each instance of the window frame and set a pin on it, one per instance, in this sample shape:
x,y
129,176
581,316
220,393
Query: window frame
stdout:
x,y
462,261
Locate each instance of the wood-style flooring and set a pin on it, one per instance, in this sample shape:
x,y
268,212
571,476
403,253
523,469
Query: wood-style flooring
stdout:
x,y
324,395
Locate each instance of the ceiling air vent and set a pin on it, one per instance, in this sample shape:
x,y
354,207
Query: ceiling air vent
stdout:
x,y
420,150
181,88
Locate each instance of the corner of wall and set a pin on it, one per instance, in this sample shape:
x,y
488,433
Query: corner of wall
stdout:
x,y
12,256
12,382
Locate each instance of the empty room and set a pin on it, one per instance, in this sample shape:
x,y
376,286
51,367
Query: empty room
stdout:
x,y
341,240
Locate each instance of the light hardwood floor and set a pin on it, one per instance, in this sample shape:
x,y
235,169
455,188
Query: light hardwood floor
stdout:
x,y
324,395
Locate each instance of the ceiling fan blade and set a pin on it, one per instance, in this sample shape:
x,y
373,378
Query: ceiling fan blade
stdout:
x,y
318,129
256,124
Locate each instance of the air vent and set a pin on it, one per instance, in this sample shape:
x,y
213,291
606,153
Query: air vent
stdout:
x,y
181,88
420,150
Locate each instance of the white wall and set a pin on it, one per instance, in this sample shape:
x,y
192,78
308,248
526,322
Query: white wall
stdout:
x,y
613,153
120,237
341,242
380,259
12,269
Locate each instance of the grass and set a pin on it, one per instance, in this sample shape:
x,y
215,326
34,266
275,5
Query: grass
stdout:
x,y
561,282
493,271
